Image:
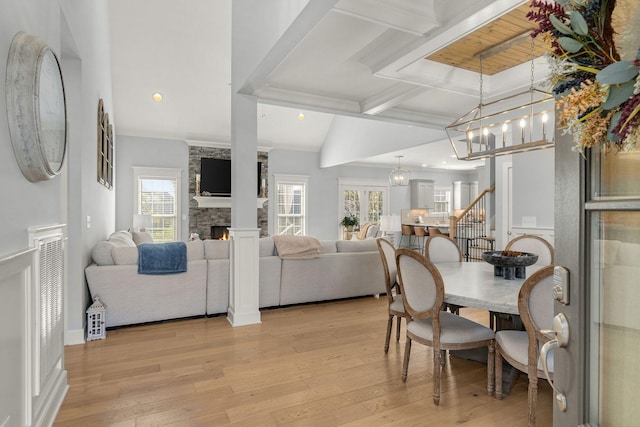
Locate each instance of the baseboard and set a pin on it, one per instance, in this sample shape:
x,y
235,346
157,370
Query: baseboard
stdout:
x,y
74,337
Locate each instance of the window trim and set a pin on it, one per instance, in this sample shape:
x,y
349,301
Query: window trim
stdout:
x,y
279,178
160,173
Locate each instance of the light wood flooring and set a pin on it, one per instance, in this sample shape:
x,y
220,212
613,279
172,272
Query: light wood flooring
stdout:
x,y
309,365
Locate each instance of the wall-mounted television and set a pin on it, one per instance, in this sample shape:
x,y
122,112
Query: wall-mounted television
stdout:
x,y
215,177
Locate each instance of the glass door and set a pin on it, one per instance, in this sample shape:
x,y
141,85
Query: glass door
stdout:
x,y
364,200
598,240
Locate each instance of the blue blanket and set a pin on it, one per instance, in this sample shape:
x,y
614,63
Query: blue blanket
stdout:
x,y
162,258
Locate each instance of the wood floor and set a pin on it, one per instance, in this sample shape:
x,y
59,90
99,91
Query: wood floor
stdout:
x,y
309,365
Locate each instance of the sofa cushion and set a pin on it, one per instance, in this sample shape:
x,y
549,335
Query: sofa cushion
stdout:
x,y
195,250
216,249
366,245
141,237
267,248
101,252
124,255
328,247
121,238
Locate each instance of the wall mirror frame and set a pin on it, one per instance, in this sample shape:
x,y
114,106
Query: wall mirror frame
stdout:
x,y
36,107
105,147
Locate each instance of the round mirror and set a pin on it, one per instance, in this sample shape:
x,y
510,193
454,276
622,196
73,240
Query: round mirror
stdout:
x,y
36,108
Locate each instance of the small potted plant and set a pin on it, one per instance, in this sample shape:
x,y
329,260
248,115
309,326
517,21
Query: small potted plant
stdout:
x,y
350,221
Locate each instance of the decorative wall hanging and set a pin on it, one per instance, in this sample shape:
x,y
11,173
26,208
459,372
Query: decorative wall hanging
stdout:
x,y
36,107
105,148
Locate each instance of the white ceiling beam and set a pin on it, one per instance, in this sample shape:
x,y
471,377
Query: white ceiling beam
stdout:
x,y
308,18
390,97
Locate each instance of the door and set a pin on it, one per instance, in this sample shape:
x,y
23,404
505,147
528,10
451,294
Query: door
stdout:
x,y
598,240
365,199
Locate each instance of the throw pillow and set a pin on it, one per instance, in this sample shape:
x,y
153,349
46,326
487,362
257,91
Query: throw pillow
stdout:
x,y
141,237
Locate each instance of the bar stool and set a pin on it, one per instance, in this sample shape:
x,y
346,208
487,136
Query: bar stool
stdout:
x,y
421,234
407,231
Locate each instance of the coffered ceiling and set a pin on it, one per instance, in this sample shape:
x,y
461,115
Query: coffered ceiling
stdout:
x,y
402,62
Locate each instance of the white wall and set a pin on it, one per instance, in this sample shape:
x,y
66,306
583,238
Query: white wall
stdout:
x,y
77,32
149,152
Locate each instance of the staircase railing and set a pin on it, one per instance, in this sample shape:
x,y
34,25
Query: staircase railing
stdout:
x,y
469,228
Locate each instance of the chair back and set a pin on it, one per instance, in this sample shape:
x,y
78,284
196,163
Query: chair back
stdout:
x,y
535,245
441,248
420,284
388,255
419,231
535,304
407,230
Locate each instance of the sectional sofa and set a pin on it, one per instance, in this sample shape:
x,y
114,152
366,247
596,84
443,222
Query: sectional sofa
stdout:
x,y
342,269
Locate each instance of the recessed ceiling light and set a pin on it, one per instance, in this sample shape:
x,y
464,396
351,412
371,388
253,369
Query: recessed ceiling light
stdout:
x,y
453,156
424,165
157,97
301,116
444,162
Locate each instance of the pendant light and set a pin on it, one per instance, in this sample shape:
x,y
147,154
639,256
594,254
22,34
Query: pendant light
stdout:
x,y
399,176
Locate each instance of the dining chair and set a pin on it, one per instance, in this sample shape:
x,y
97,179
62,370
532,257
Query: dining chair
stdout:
x,y
396,305
441,248
423,290
521,348
533,244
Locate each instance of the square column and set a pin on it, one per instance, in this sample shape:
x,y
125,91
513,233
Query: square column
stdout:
x,y
244,290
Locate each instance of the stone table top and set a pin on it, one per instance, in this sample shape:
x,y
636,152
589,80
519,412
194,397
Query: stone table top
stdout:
x,y
473,284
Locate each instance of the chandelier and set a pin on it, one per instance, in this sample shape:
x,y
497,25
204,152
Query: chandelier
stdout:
x,y
399,176
509,125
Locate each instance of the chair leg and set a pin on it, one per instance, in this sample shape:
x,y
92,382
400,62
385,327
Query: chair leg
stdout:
x,y
443,358
405,363
389,325
498,369
533,399
398,325
437,373
491,376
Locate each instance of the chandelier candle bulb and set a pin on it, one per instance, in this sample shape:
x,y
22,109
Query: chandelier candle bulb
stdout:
x,y
505,128
544,120
523,123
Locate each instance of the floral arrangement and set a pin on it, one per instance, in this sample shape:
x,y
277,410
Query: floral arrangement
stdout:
x,y
594,59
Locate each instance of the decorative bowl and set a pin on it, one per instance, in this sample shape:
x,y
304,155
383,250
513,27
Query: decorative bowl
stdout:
x,y
510,266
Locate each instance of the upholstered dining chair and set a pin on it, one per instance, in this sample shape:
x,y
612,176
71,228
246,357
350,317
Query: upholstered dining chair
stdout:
x,y
521,348
533,244
396,305
441,248
423,290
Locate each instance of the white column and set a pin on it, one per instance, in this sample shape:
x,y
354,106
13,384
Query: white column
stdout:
x,y
244,298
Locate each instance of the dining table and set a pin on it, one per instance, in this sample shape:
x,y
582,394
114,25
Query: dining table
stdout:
x,y
474,284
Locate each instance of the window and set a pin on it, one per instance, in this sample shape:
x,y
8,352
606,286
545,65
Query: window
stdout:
x,y
157,193
365,199
291,204
441,202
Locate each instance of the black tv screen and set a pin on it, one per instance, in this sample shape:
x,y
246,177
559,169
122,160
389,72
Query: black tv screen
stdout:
x,y
215,177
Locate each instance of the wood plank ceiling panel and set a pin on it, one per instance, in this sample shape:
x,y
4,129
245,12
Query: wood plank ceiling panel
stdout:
x,y
463,53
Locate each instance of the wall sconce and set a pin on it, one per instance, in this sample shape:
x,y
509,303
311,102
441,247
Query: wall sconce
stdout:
x,y
399,176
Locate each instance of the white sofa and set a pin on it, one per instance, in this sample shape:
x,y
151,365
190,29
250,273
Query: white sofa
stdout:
x,y
343,269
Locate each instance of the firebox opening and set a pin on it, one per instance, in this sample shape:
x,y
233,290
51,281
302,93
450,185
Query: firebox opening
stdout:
x,y
220,232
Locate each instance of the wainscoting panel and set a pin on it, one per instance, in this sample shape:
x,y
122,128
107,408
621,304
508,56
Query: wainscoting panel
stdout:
x,y
48,376
15,335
